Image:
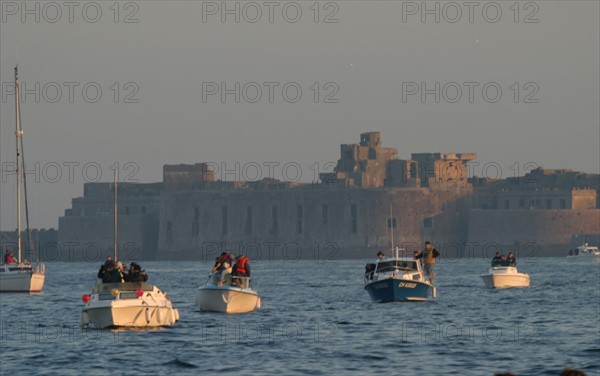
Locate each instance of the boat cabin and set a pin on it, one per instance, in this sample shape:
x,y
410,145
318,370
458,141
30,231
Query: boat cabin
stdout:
x,y
401,268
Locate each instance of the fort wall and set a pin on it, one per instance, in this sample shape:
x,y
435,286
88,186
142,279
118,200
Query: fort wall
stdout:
x,y
543,232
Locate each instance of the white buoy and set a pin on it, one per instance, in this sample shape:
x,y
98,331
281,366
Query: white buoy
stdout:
x,y
148,316
159,315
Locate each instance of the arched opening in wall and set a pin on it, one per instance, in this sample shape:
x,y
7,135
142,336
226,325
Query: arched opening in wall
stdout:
x,y
169,234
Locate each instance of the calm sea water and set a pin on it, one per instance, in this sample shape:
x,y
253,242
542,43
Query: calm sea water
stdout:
x,y
317,319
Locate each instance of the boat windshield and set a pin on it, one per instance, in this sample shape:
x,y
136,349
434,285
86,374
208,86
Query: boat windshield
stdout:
x,y
503,263
393,265
127,286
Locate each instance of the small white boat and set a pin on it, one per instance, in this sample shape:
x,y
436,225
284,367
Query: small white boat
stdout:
x,y
505,275
21,276
235,295
129,304
585,251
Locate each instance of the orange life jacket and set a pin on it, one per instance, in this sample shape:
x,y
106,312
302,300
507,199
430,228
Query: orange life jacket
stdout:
x,y
240,265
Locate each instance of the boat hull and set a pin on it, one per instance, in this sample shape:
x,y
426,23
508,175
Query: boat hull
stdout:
x,y
140,316
502,281
21,282
227,300
398,290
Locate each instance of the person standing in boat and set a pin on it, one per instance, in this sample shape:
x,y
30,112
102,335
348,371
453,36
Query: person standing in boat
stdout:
x,y
103,267
112,273
429,254
136,274
241,269
380,255
510,259
223,267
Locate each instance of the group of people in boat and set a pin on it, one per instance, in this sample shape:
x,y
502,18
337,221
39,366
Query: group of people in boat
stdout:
x,y
230,270
114,271
428,255
501,260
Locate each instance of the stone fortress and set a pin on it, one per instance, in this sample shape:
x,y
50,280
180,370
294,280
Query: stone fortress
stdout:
x,y
192,216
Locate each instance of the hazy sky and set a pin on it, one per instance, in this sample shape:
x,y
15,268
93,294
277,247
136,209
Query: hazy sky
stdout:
x,y
366,61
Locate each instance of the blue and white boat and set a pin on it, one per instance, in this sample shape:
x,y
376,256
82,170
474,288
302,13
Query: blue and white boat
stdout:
x,y
397,279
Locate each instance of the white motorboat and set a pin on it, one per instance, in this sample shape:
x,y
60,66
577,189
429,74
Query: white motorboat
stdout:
x,y
234,295
503,274
126,304
21,276
585,251
129,304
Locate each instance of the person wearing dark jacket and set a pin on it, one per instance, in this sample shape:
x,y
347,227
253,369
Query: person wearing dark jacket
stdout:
x,y
510,259
429,255
103,267
136,274
112,274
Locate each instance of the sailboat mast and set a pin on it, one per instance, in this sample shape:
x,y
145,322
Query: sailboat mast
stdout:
x,y
18,134
116,245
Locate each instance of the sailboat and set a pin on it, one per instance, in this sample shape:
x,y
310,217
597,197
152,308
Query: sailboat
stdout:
x,y
398,278
20,275
126,304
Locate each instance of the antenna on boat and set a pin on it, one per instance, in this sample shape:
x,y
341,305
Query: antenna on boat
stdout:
x,y
394,250
18,134
116,245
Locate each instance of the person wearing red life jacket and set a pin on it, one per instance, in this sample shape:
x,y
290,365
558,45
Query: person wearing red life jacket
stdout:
x,y
242,269
9,258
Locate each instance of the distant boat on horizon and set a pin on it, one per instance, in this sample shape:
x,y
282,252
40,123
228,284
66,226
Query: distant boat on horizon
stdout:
x,y
585,251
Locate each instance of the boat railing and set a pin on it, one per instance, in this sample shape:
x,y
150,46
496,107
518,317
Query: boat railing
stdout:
x,y
126,286
230,280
